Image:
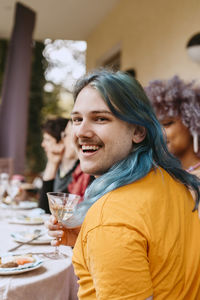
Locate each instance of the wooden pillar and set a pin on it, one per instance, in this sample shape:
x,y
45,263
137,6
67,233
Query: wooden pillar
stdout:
x,y
15,90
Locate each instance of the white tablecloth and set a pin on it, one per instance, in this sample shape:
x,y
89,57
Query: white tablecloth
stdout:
x,y
54,280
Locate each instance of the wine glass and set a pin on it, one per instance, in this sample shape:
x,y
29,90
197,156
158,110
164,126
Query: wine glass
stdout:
x,y
13,189
62,206
4,180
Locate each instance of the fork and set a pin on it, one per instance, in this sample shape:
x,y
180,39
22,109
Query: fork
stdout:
x,y
39,233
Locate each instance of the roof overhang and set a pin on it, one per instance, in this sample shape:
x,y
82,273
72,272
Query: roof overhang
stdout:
x,y
62,19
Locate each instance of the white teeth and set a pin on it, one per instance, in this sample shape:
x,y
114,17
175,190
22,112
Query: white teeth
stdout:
x,y
89,147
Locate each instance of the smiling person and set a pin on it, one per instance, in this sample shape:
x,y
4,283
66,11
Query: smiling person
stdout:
x,y
62,172
140,233
177,106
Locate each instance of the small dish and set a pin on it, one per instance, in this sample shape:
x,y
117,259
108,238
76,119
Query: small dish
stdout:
x,y
25,236
25,220
21,268
21,205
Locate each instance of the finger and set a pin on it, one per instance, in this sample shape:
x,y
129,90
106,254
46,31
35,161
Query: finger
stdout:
x,y
55,243
51,226
53,219
56,234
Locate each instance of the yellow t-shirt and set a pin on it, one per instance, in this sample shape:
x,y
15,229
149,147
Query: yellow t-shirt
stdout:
x,y
140,240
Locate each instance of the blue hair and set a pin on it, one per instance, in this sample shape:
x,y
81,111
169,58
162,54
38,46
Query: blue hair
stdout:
x,y
127,100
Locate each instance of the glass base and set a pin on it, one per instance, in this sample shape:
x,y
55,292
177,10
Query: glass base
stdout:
x,y
56,254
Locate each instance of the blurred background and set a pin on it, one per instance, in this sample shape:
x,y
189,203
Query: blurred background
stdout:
x,y
46,45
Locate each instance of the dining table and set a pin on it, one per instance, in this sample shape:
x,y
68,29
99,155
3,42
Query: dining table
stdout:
x,y
53,279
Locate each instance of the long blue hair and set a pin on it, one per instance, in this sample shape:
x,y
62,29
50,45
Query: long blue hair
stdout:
x,y
127,100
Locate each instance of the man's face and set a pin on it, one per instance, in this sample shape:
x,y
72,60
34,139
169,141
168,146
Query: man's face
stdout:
x,y
100,138
179,139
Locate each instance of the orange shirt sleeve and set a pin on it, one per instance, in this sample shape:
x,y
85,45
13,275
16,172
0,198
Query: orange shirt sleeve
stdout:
x,y
116,257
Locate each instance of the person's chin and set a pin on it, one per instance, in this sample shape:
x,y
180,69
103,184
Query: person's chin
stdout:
x,y
91,170
86,169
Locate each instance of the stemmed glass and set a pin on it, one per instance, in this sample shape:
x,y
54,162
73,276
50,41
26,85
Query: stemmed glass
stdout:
x,y
62,206
4,181
13,189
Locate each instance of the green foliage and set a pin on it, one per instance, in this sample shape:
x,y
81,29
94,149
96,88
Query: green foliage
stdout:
x,y
35,158
41,106
51,106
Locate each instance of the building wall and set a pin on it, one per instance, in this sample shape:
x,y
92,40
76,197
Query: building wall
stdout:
x,y
152,36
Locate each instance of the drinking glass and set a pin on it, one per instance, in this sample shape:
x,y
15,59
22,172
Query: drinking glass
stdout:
x,y
13,189
62,206
4,181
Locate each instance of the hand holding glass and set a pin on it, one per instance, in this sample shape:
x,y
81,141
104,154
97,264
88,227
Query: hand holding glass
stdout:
x,y
62,206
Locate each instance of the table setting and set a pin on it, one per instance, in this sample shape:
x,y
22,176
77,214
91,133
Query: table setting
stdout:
x,y
28,266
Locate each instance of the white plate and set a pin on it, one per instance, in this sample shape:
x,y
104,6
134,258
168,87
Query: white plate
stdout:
x,y
25,236
27,220
22,205
22,268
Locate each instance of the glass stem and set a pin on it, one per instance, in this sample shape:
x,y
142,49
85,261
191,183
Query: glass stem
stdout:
x,y
56,250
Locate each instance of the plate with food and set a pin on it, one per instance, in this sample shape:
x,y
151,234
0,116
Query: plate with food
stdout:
x,y
20,205
27,220
19,263
25,205
26,236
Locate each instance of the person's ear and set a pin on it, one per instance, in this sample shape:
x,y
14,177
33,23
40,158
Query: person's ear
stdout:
x,y
139,134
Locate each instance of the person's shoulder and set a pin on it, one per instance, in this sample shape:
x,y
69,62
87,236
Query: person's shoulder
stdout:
x,y
128,205
138,191
123,199
156,180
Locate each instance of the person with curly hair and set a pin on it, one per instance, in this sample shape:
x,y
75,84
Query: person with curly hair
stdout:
x,y
177,106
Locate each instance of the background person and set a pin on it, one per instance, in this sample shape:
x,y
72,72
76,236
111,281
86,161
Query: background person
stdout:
x,y
177,106
51,131
139,239
62,172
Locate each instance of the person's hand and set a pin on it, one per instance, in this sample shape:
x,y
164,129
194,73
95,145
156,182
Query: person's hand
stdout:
x,y
54,157
61,235
56,153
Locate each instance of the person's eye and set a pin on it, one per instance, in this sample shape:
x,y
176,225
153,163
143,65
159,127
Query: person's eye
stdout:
x,y
76,120
101,119
167,124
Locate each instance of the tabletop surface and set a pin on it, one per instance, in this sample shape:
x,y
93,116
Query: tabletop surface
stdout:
x,y
54,280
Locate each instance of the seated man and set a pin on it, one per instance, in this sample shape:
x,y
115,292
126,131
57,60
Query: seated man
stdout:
x,y
140,233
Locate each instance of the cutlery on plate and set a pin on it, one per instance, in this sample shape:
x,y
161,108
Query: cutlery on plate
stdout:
x,y
38,234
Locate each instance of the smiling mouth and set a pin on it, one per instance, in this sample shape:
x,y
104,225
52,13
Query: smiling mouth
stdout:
x,y
89,148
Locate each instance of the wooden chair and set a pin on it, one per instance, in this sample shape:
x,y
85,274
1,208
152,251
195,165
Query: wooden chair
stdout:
x,y
6,165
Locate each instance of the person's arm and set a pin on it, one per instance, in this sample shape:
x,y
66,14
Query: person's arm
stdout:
x,y
47,186
116,258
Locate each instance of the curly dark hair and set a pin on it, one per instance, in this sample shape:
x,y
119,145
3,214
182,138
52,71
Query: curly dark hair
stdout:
x,y
54,127
176,98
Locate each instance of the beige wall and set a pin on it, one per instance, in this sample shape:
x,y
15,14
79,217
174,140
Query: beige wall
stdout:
x,y
152,35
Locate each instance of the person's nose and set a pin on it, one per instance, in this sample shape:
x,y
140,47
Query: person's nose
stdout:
x,y
84,130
